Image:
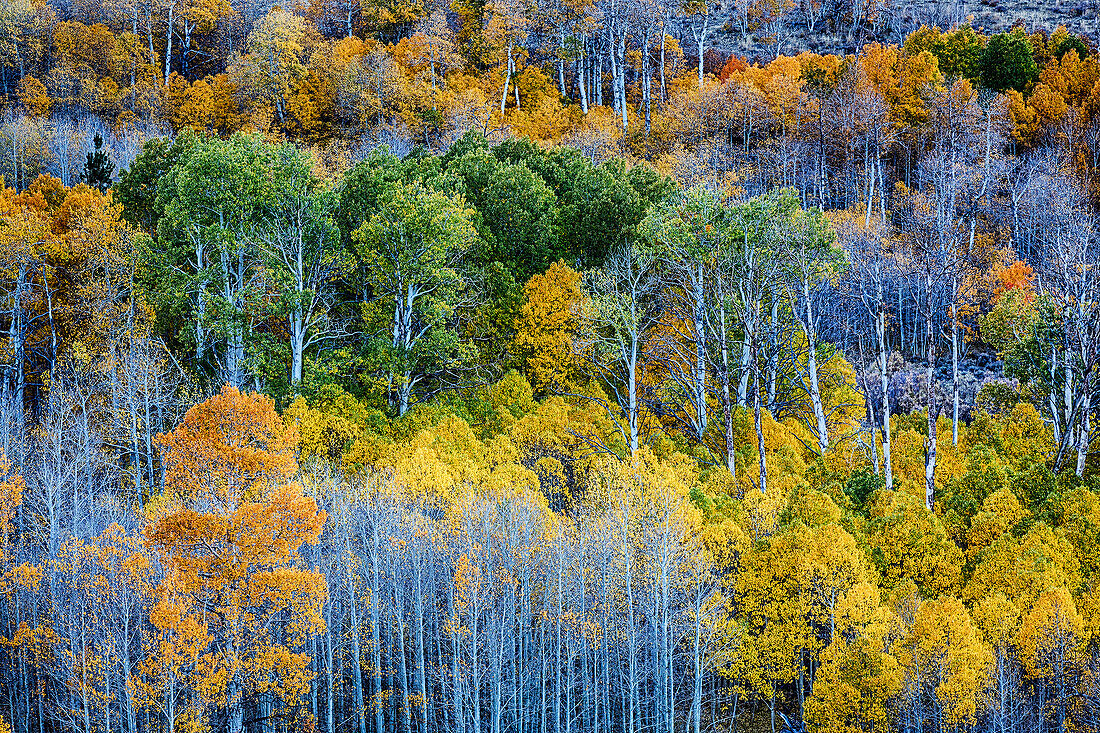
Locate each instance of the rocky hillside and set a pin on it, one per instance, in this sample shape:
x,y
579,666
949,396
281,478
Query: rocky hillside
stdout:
x,y
832,31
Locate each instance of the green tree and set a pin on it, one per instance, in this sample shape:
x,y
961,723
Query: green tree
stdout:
x,y
302,259
599,207
412,251
136,189
958,52
518,213
363,186
1068,43
213,200
1007,62
98,168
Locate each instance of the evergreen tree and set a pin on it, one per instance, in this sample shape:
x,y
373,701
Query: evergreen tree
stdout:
x,y
98,169
1008,63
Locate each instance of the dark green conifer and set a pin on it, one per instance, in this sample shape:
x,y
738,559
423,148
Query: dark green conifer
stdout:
x,y
98,168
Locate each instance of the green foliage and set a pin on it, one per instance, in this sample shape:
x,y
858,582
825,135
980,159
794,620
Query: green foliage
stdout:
x,y
248,249
471,141
1008,63
211,199
136,188
861,484
490,326
411,253
98,168
996,398
362,187
958,53
1071,43
598,206
517,210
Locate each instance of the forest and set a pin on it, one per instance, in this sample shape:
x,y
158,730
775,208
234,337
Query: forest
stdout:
x,y
525,366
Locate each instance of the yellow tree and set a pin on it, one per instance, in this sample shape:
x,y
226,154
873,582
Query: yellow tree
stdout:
x,y
273,68
859,676
789,592
11,496
1025,568
998,619
121,587
99,593
237,600
506,26
947,667
173,663
1051,642
910,543
547,325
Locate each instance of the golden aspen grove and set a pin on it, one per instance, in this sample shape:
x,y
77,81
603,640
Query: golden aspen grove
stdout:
x,y
549,366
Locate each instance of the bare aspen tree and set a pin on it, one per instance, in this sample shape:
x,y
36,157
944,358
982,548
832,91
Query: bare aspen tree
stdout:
x,y
805,240
623,309
872,273
1072,281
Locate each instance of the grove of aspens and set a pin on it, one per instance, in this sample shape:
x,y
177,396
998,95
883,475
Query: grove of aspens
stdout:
x,y
548,366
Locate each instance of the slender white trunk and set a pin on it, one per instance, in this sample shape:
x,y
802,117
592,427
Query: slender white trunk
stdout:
x,y
884,396
727,408
168,43
933,411
700,40
954,372
507,79
561,61
700,353
1083,432
622,79
811,365
582,86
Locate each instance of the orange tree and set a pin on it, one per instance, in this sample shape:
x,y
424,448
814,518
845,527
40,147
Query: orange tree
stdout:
x,y
237,598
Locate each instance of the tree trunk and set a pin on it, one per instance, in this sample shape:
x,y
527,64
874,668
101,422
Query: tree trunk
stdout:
x,y
664,88
727,408
356,655
561,61
375,631
699,317
622,79
880,327
168,44
646,95
507,80
701,39
582,84
758,424
1083,434
954,368
933,411
811,364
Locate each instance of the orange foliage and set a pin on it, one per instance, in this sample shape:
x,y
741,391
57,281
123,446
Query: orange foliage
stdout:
x,y
229,449
237,603
34,97
735,64
11,496
1017,276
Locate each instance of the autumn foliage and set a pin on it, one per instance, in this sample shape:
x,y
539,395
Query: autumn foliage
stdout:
x,y
518,366
237,605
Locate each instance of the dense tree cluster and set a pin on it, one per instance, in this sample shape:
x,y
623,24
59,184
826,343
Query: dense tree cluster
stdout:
x,y
614,77
766,401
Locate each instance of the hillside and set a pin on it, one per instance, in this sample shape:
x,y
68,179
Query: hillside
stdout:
x,y
497,367
832,30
